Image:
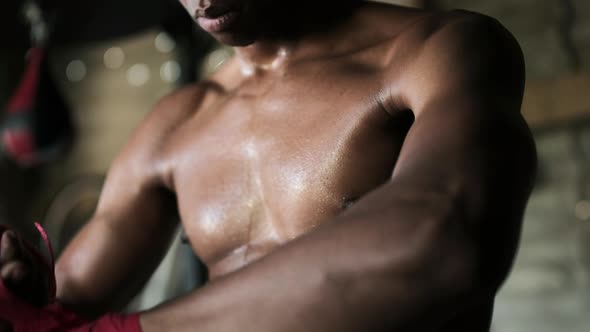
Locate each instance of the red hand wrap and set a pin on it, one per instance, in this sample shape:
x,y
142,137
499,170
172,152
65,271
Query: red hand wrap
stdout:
x,y
25,317
111,323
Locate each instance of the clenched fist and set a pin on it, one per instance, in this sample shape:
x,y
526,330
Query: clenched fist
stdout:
x,y
22,275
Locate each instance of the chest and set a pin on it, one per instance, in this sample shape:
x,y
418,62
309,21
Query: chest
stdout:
x,y
268,162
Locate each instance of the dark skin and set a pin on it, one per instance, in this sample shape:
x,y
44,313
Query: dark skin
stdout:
x,y
366,172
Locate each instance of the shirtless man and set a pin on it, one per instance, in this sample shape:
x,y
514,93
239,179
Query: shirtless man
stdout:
x,y
355,167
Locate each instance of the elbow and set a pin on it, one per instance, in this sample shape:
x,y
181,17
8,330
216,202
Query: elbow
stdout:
x,y
442,251
65,279
70,292
447,272
461,253
419,240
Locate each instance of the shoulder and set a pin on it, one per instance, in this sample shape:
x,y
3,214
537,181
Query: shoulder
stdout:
x,y
176,107
474,39
146,146
461,50
468,35
172,111
461,69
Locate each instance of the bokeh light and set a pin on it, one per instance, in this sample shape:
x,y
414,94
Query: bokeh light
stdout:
x,y
583,210
164,43
138,74
76,71
114,58
170,71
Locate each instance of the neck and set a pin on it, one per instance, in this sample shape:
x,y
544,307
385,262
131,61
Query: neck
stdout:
x,y
264,56
289,39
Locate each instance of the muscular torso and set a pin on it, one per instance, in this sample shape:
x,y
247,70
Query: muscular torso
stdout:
x,y
275,157
265,158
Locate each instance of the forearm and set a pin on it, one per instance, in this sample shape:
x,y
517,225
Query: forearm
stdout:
x,y
104,267
361,272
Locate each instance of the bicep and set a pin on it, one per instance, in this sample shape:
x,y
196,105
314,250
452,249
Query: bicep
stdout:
x,y
466,99
461,144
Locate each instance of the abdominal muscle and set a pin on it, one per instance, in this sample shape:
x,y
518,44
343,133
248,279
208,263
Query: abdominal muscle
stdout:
x,y
237,259
260,237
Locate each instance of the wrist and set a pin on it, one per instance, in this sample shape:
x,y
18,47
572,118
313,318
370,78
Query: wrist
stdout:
x,y
111,322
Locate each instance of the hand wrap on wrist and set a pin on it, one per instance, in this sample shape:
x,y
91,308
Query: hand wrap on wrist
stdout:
x,y
54,317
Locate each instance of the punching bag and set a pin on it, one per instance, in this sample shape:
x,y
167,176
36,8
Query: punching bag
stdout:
x,y
36,124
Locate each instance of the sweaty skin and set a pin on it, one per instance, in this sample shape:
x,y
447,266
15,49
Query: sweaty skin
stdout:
x,y
367,171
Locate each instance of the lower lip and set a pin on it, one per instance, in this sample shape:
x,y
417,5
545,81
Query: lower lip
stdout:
x,y
218,24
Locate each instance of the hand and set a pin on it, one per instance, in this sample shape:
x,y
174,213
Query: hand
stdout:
x,y
21,274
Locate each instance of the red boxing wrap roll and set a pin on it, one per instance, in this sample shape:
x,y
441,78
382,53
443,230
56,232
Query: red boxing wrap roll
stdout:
x,y
54,317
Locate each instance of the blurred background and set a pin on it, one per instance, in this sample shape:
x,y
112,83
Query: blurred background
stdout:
x,y
96,68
